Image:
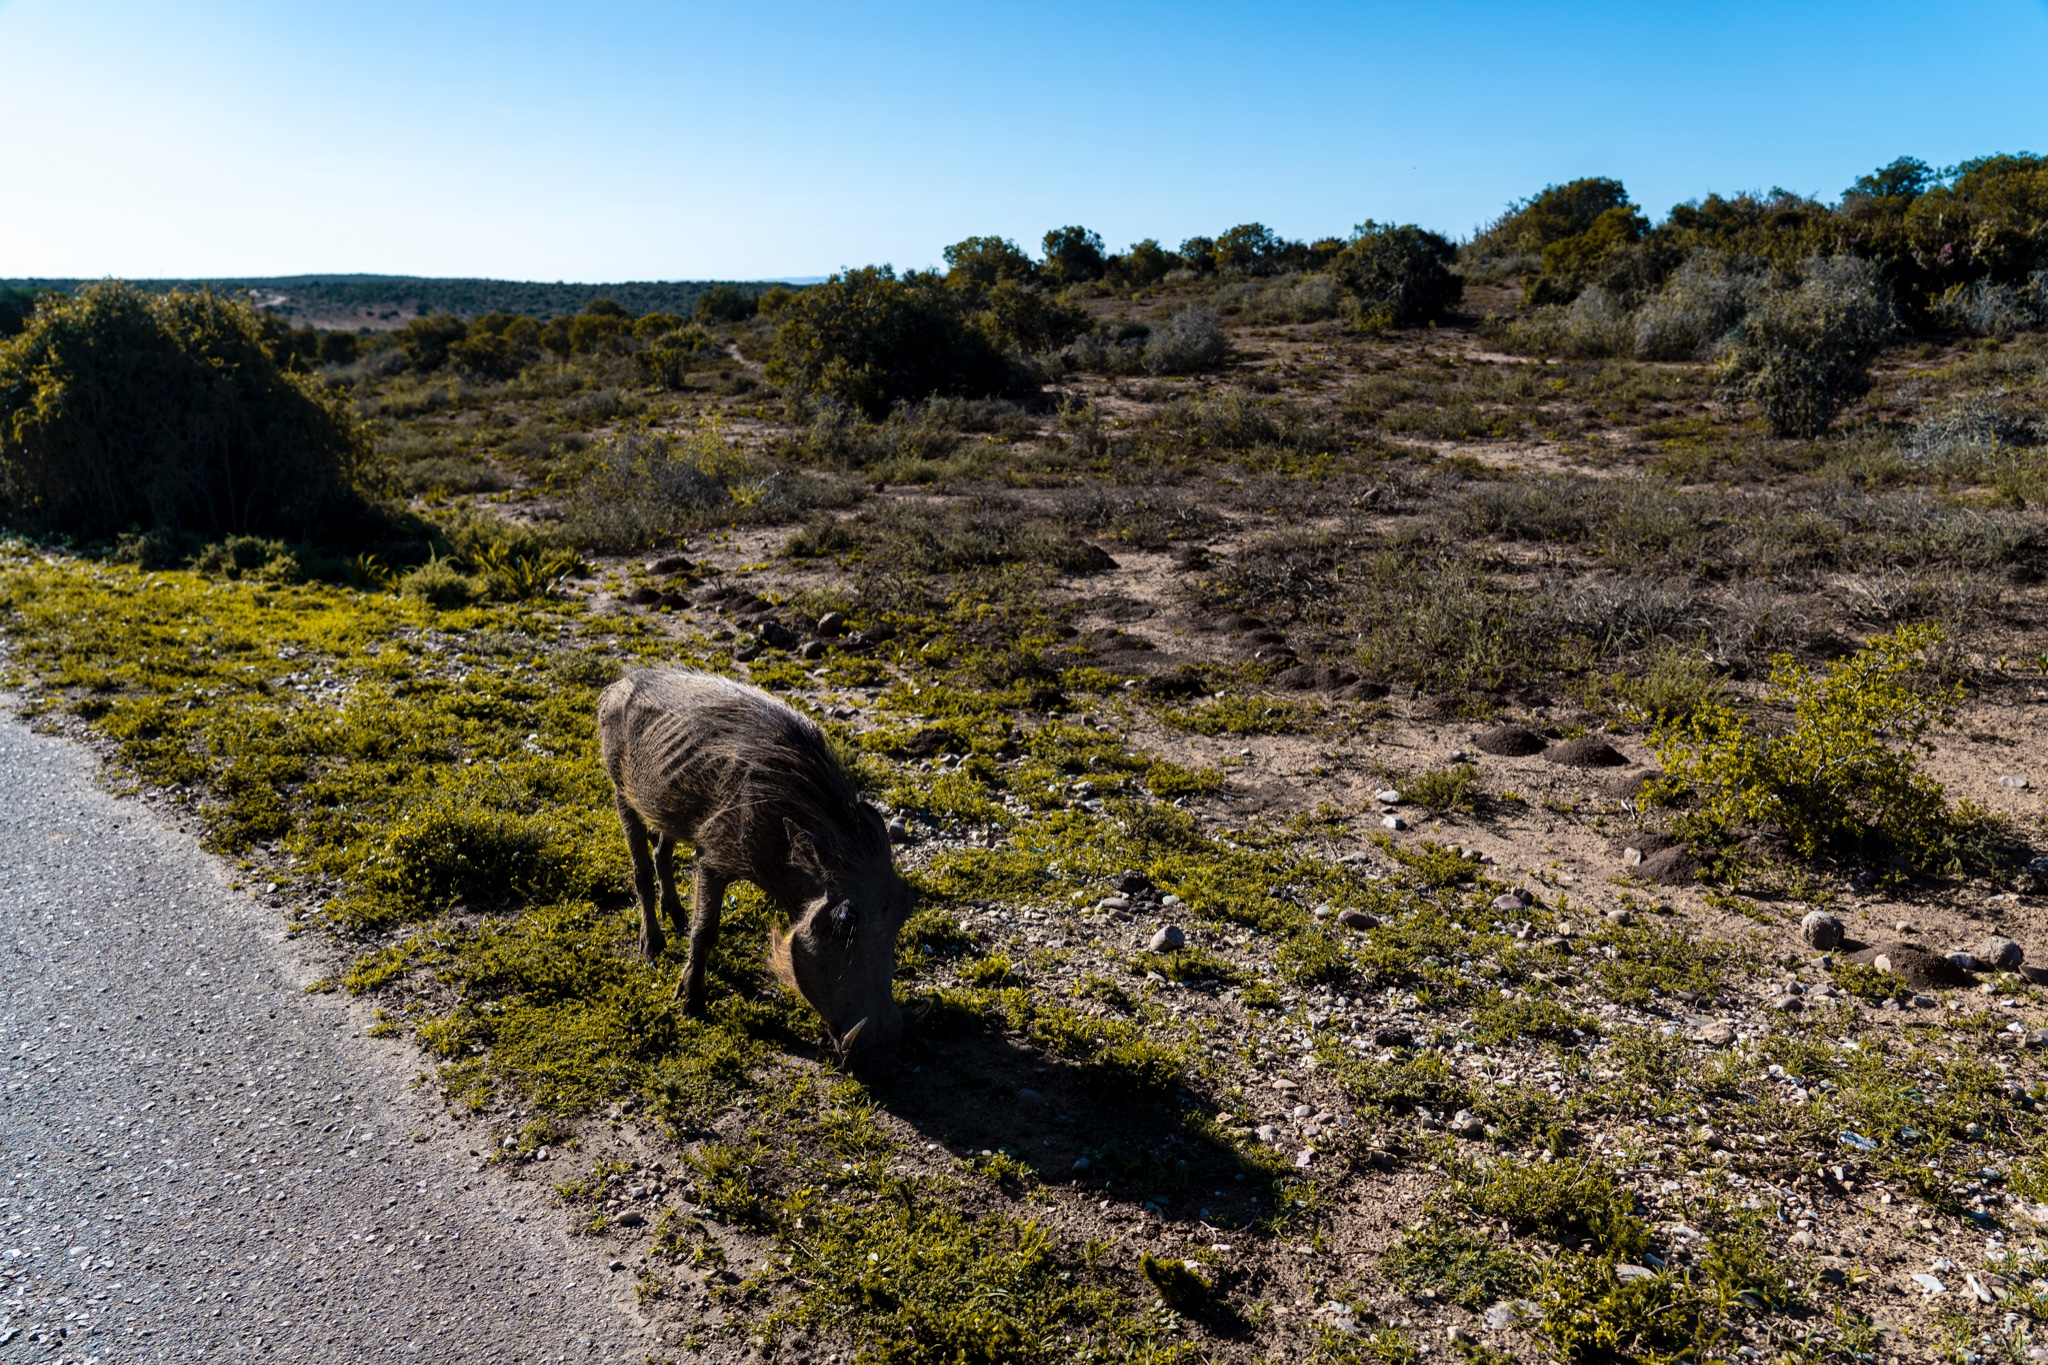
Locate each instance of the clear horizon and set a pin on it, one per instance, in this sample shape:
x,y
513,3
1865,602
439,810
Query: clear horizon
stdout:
x,y
627,141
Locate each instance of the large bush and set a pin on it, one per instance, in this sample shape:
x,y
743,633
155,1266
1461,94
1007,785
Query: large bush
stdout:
x,y
873,340
1805,354
1398,275
122,410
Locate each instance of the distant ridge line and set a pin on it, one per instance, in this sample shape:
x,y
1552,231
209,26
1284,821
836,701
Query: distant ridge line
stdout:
x,y
383,301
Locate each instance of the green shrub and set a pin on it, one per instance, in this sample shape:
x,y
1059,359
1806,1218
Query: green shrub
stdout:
x,y
727,303
1073,255
1805,354
1442,790
438,583
121,410
1456,1264
1180,1288
1843,776
1398,275
1515,240
872,339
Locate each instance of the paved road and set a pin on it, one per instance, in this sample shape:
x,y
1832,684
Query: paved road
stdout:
x,y
203,1162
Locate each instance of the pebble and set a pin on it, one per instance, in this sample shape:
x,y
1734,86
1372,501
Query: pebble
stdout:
x,y
1303,1157
1719,1033
831,623
1967,961
1387,797
1392,1036
1930,1285
1999,953
1169,899
1169,939
1266,1132
1619,917
2016,783
1457,755
1804,1240
1512,901
898,832
1284,1085
1081,1163
811,649
2035,975
1467,1124
1903,927
1631,857
1627,1273
1030,1095
1131,883
1357,919
1302,1111
1393,822
1788,1004
1821,930
1109,903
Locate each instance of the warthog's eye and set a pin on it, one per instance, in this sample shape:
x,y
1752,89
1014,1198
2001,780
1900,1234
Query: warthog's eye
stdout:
x,y
845,922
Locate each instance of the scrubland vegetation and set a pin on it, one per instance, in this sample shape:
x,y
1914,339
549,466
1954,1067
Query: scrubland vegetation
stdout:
x,y
1488,659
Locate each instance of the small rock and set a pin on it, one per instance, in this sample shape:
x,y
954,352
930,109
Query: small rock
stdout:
x,y
1303,1158
1804,1240
1169,899
811,649
1266,1132
1387,797
831,624
1030,1096
1511,902
1392,1036
1788,1004
746,654
898,832
1109,904
1131,883
2000,954
1821,930
1719,1033
1631,857
1925,1002
1302,1111
1284,1086
1467,1124
1081,1163
1929,1285
776,635
631,1218
1393,822
1619,917
1457,755
669,564
1674,866
2037,976
2016,783
1904,926
616,1266
1169,939
1357,919
1967,961
1508,1314
1627,1273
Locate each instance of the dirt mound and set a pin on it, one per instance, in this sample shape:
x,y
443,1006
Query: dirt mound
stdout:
x,y
1313,678
1363,691
1627,786
1923,969
1645,841
1674,866
1510,741
1179,683
1590,752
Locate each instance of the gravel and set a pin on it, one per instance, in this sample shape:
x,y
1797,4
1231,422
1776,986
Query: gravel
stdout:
x,y
203,1160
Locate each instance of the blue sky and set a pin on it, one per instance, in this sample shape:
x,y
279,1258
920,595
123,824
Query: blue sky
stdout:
x,y
617,140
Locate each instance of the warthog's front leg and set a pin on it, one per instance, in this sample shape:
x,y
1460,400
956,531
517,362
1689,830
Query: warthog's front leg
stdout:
x,y
703,937
651,942
665,878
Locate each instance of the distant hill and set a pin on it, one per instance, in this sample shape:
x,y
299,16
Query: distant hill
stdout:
x,y
383,301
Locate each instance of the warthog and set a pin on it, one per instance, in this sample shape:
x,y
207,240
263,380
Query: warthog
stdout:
x,y
755,788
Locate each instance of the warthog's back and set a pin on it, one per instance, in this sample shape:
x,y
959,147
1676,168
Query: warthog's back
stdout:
x,y
721,764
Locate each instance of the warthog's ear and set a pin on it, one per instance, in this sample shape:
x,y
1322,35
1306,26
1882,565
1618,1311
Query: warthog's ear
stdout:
x,y
803,850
